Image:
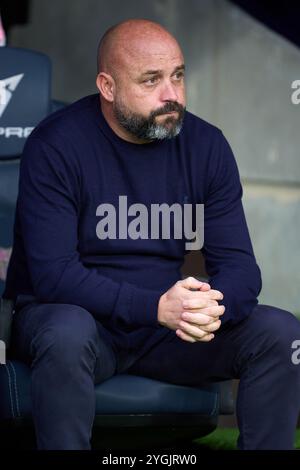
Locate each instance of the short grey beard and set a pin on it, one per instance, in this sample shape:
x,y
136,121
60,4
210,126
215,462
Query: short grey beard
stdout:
x,y
146,128
160,132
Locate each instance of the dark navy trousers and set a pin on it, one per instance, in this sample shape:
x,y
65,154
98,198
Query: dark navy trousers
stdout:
x,y
68,354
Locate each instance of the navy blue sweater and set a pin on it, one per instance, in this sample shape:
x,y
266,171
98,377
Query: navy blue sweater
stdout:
x,y
72,163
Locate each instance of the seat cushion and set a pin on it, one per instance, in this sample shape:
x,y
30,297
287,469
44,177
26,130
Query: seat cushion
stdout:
x,y
126,394
120,394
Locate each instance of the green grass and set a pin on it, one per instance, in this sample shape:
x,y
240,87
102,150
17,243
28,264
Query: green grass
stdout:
x,y
225,439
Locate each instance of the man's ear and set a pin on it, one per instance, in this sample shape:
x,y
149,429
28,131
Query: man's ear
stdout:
x,y
106,86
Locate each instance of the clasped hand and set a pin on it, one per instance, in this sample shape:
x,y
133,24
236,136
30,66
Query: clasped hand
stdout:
x,y
193,314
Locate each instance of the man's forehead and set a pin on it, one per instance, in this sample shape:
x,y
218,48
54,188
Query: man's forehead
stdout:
x,y
143,59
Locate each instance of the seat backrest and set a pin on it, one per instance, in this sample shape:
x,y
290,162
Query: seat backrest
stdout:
x,y
25,79
25,99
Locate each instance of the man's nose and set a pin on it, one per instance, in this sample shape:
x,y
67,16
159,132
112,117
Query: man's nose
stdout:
x,y
168,92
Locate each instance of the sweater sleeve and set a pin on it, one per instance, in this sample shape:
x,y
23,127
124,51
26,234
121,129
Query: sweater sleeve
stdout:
x,y
49,207
227,250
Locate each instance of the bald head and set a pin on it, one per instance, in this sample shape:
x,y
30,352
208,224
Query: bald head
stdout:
x,y
129,39
141,81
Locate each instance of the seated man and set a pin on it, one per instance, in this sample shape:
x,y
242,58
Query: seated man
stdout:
x,y
98,292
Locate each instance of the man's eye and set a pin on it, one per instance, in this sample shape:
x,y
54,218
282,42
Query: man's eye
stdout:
x,y
179,75
151,81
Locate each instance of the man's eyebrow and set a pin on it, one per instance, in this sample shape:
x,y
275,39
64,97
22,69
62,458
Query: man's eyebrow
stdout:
x,y
151,72
157,72
179,67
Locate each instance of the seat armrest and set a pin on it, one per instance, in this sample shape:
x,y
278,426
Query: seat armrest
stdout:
x,y
6,316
